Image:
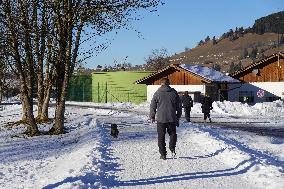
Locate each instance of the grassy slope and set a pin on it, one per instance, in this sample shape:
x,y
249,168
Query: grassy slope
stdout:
x,y
120,87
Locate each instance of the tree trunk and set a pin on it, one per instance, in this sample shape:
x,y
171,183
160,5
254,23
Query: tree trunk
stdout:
x,y
32,128
24,115
61,87
59,117
45,105
1,92
39,94
47,84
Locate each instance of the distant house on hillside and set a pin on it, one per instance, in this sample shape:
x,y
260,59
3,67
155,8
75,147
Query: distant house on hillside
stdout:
x,y
196,79
262,81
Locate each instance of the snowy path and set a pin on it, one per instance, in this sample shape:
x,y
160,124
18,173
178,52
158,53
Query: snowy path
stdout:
x,y
202,161
87,156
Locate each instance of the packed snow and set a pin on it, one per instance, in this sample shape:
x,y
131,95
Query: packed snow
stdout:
x,y
242,148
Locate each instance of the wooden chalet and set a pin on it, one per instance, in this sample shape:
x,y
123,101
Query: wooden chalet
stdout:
x,y
270,69
196,79
262,80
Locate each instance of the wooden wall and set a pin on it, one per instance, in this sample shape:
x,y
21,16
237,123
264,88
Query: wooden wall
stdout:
x,y
177,77
268,72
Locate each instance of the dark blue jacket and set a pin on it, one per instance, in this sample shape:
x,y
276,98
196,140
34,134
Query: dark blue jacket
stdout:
x,y
207,105
186,101
165,105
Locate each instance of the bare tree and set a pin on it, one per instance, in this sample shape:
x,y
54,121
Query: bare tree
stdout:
x,y
157,59
76,18
44,36
16,34
2,78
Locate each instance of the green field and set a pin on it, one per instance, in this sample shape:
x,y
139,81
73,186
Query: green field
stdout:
x,y
108,87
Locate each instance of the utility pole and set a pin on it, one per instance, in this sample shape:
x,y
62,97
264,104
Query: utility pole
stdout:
x,y
278,61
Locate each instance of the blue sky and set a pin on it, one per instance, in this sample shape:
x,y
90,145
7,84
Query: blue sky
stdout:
x,y
179,24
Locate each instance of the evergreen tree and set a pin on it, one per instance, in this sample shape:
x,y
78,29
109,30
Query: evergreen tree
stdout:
x,y
214,42
207,39
201,42
231,32
241,32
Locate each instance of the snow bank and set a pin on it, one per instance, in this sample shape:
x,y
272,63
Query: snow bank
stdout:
x,y
275,108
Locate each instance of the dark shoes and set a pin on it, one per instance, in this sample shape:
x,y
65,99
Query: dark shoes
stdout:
x,y
209,120
173,152
163,157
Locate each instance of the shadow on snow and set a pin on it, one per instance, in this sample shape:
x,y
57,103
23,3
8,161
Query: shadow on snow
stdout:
x,y
241,168
260,156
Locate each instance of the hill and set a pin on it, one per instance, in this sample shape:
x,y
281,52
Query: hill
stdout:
x,y
239,48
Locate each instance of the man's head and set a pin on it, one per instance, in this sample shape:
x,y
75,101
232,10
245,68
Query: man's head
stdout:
x,y
185,93
165,81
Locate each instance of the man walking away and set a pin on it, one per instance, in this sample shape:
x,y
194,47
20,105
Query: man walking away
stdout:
x,y
165,108
207,107
187,103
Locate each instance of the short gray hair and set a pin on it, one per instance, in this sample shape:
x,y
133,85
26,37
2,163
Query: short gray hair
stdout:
x,y
165,81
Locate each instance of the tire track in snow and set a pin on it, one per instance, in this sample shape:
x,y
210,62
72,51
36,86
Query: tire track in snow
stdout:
x,y
260,156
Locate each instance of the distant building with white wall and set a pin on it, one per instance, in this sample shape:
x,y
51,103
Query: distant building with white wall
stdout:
x,y
262,81
196,79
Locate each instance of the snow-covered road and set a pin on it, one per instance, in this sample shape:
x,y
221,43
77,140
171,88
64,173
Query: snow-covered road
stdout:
x,y
204,159
88,157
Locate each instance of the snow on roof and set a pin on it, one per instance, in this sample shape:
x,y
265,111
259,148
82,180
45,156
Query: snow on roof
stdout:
x,y
208,73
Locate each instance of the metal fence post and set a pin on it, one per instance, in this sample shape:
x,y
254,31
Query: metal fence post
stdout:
x,y
98,92
83,93
106,94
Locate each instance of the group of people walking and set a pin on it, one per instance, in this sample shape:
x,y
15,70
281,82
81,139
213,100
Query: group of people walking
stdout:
x,y
166,109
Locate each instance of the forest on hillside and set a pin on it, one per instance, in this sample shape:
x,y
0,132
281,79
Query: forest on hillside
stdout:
x,y
273,23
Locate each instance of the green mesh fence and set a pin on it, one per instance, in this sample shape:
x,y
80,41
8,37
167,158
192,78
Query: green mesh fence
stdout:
x,y
105,87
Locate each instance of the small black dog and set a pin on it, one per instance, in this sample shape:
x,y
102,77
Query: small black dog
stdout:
x,y
113,130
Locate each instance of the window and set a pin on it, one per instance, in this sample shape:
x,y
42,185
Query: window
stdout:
x,y
246,96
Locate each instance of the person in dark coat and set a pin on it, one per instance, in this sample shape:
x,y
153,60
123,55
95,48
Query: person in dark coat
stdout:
x,y
207,107
187,103
165,108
